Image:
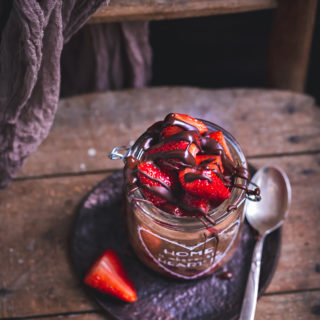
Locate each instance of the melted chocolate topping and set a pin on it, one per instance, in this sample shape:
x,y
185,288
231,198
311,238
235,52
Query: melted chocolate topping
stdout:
x,y
191,176
227,275
179,159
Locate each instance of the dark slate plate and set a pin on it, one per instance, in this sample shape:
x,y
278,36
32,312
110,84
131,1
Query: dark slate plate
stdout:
x,y
100,225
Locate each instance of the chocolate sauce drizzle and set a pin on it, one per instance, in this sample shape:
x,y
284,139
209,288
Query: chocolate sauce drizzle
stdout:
x,y
179,159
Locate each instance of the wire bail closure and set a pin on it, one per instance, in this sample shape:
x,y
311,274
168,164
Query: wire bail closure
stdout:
x,y
118,154
121,153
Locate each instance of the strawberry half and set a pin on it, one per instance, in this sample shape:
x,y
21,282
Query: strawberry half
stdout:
x,y
154,179
191,121
218,136
204,184
210,161
108,276
194,202
172,147
170,131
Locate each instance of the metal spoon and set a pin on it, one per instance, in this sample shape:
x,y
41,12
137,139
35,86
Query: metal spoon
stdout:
x,y
264,216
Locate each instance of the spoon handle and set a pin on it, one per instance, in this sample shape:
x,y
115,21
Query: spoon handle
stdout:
x,y
251,295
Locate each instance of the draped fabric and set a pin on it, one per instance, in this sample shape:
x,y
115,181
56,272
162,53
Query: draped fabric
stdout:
x,y
33,34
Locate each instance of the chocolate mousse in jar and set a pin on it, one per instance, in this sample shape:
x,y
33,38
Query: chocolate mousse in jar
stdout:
x,y
185,190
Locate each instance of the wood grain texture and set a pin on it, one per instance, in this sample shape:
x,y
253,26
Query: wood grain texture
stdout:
x,y
87,127
294,306
299,257
128,10
290,44
36,220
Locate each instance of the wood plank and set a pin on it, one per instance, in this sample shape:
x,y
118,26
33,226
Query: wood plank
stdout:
x,y
128,10
87,127
294,306
37,216
290,44
299,261
36,221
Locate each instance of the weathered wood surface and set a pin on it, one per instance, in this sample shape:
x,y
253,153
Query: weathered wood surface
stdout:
x,y
134,10
290,44
87,127
299,260
294,306
36,223
36,220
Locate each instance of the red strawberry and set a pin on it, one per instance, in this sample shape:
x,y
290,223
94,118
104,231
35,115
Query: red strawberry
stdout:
x,y
194,202
210,161
204,184
170,131
218,136
192,121
172,146
151,176
108,276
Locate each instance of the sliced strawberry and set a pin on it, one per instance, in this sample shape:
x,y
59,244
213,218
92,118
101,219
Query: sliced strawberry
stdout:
x,y
170,148
204,184
210,161
218,136
174,145
196,203
108,276
170,131
154,180
191,121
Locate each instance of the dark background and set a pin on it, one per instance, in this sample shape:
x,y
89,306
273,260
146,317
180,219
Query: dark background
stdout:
x,y
221,51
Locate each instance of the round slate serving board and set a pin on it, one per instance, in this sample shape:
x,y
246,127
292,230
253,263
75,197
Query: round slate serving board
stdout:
x,y
100,225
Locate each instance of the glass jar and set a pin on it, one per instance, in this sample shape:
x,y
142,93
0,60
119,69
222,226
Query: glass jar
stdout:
x,y
185,247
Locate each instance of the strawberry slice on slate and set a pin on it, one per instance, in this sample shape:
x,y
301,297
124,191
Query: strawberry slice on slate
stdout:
x,y
204,184
192,121
108,276
218,136
154,179
212,162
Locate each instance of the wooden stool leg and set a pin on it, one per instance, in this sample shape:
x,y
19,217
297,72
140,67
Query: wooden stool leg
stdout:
x,y
290,44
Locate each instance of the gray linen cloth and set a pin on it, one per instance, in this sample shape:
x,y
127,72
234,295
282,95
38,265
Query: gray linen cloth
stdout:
x,y
32,37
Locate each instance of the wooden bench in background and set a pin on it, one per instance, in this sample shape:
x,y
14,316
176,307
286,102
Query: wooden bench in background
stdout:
x,y
290,40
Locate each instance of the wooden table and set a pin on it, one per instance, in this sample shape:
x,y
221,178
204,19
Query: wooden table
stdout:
x,y
37,210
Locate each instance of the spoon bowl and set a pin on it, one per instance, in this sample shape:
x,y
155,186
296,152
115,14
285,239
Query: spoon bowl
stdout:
x,y
269,213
